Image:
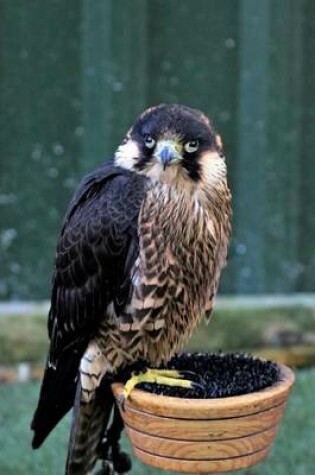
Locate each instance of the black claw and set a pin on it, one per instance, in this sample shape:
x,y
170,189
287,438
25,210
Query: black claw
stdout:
x,y
186,374
113,459
195,377
122,462
140,367
202,387
197,382
121,401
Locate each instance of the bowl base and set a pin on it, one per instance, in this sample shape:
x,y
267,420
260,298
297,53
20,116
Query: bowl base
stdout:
x,y
201,466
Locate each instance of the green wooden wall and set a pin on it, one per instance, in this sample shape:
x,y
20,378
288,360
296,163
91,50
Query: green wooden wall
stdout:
x,y
75,74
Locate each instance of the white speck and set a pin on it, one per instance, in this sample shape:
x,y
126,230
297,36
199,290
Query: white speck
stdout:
x,y
30,225
166,66
23,372
292,269
36,153
69,183
58,149
260,125
76,104
51,365
8,199
79,131
53,213
7,237
135,280
90,71
15,268
229,43
189,63
241,249
225,116
24,54
117,86
52,172
174,81
246,272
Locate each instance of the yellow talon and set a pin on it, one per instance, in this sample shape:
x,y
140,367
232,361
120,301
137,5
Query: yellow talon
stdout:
x,y
167,377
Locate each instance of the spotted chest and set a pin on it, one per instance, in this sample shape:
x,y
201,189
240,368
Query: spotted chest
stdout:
x,y
173,279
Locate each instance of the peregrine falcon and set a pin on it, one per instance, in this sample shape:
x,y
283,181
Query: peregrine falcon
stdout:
x,y
137,266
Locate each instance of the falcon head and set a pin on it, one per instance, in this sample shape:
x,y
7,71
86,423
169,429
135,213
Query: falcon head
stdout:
x,y
176,145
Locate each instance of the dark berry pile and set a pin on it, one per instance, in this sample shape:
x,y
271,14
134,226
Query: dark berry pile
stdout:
x,y
215,375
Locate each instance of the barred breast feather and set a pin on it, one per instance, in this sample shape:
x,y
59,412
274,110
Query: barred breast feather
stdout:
x,y
182,249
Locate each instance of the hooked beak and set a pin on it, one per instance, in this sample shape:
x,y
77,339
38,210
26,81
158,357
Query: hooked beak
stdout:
x,y
167,152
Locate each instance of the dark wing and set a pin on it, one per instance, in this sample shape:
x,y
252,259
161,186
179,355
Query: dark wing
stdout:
x,y
96,251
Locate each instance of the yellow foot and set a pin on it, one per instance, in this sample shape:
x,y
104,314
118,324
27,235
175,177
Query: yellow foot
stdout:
x,y
167,377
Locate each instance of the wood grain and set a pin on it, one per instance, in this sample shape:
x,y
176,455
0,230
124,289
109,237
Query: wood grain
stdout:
x,y
211,408
205,435
202,450
203,429
201,466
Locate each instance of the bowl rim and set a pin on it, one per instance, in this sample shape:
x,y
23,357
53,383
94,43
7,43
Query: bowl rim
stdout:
x,y
171,406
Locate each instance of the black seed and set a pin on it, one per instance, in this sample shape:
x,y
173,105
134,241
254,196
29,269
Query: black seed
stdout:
x,y
223,375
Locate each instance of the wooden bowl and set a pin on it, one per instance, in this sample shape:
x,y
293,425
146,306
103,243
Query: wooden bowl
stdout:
x,y
205,435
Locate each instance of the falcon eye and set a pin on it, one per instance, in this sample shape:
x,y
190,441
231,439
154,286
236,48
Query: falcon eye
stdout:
x,y
149,141
191,146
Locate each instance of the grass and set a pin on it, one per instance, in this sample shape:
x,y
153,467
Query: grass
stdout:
x,y
259,327
24,337
293,453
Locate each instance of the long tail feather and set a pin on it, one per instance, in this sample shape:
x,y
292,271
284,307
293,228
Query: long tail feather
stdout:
x,y
89,423
56,396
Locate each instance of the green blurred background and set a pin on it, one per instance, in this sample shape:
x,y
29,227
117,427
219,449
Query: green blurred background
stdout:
x,y
75,74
